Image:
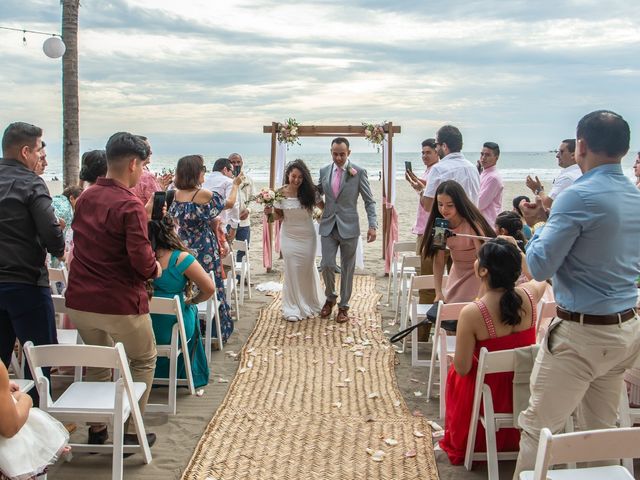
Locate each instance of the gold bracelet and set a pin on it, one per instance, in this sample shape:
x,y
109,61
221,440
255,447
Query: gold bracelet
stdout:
x,y
536,226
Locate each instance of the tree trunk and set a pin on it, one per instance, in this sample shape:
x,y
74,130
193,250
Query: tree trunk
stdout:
x,y
70,103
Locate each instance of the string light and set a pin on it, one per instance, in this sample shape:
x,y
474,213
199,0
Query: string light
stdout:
x,y
53,47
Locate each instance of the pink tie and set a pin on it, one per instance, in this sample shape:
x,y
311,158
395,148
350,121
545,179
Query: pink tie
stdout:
x,y
337,176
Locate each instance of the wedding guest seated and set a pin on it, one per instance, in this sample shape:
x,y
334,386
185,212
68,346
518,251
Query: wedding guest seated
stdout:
x,y
453,205
180,271
526,229
30,439
504,318
510,224
94,166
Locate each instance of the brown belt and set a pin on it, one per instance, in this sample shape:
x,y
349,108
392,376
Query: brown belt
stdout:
x,y
596,319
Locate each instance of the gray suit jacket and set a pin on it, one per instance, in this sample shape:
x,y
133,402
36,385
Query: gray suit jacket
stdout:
x,y
343,209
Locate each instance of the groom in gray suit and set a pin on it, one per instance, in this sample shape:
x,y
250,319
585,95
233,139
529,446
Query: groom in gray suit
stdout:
x,y
341,183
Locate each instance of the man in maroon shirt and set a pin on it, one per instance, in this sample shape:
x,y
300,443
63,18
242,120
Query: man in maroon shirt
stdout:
x,y
112,259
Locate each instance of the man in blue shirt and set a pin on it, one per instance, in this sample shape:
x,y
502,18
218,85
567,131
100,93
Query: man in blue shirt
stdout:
x,y
590,246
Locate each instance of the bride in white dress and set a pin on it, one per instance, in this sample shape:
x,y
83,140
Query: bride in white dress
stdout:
x,y
301,292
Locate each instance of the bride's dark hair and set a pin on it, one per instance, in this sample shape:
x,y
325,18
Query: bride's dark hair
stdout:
x,y
307,190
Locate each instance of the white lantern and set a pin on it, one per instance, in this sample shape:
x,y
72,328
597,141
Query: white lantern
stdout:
x,y
54,47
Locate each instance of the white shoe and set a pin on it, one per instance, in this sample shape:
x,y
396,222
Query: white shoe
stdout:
x,y
292,319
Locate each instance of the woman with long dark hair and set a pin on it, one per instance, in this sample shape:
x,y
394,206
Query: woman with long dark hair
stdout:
x,y
298,242
504,318
180,271
463,216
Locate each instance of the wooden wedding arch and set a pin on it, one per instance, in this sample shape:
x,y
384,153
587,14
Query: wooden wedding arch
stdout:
x,y
342,131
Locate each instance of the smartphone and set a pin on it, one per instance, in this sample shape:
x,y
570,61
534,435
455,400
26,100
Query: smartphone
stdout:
x,y
159,200
170,195
236,170
407,167
440,226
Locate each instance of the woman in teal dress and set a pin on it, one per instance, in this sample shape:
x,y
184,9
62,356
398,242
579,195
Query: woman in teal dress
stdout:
x,y
180,271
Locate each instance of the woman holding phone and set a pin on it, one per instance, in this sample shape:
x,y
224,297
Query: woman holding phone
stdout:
x,y
462,217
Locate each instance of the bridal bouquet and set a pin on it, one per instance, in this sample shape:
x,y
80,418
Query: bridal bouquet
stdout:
x,y
288,132
374,133
267,197
316,215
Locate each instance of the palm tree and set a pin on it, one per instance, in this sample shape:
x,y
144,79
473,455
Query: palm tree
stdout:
x,y
70,103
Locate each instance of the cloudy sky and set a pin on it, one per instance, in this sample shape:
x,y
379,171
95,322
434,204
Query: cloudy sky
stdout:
x,y
200,75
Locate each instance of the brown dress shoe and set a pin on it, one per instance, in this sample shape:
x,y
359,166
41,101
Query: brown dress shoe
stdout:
x,y
326,309
343,315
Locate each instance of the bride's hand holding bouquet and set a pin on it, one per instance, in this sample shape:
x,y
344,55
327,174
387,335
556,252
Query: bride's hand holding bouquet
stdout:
x,y
267,197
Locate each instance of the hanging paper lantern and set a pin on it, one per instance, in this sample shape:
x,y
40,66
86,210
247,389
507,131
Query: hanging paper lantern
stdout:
x,y
54,47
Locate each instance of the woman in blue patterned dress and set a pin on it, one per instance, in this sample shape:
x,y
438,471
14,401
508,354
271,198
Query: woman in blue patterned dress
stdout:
x,y
195,210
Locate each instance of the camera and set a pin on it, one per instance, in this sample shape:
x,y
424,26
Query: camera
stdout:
x,y
159,201
236,170
440,227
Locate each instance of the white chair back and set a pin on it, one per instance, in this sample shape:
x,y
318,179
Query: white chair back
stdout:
x,y
210,312
409,267
56,275
244,266
398,249
230,283
102,402
585,446
179,345
443,346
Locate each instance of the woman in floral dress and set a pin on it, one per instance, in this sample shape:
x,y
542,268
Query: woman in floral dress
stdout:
x,y
195,210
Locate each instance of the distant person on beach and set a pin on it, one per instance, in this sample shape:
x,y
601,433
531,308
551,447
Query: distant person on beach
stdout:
x,y
341,183
42,164
429,159
452,166
636,170
526,229
569,174
491,186
28,230
220,181
149,183
244,194
590,245
112,259
94,166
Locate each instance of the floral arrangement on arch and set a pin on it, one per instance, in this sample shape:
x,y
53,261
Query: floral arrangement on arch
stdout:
x,y
374,133
288,132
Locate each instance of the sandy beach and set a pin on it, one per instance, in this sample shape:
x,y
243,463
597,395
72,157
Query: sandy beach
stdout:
x,y
179,434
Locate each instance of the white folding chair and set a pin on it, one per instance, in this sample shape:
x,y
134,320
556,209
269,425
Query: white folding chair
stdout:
x,y
24,384
60,275
244,266
210,312
444,346
99,402
585,446
546,314
415,312
501,361
409,266
230,283
178,346
66,336
396,259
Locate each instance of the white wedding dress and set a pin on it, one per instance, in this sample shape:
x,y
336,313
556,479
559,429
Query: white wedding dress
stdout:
x,y
301,294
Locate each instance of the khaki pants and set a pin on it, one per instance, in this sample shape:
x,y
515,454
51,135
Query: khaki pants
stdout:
x,y
135,332
577,365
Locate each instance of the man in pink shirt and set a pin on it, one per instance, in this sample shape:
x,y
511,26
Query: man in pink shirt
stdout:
x,y
491,187
429,158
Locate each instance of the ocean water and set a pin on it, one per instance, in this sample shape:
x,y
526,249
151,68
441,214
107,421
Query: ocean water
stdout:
x,y
514,166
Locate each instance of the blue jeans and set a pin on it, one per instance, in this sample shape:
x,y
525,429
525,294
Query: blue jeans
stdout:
x,y
26,313
243,233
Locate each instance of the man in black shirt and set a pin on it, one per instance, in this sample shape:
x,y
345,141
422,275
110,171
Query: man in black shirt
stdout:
x,y
28,229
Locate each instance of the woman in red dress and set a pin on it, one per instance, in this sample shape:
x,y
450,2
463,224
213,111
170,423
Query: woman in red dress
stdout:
x,y
504,318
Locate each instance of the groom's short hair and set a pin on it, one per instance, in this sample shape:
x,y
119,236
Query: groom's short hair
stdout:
x,y
340,140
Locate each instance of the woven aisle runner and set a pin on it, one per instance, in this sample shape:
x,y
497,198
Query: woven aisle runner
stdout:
x,y
316,400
